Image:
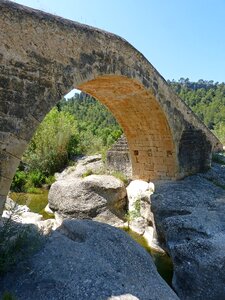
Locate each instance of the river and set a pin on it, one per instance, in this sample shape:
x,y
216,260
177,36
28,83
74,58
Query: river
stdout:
x,y
37,203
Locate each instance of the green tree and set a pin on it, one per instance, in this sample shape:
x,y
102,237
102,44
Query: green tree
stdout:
x,y
53,144
206,99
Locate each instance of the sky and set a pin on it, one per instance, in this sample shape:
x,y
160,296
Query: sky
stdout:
x,y
181,38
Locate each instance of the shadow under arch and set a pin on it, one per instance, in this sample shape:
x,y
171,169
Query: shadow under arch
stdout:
x,y
151,146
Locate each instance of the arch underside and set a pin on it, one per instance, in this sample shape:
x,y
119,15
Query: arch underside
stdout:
x,y
144,123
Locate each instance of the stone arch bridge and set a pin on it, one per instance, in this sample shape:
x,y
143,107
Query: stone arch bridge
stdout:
x,y
43,57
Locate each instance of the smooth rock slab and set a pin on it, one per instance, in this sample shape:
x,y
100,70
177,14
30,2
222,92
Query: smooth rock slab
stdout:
x,y
190,219
87,260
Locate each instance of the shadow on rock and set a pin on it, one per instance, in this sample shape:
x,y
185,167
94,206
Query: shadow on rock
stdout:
x,y
17,243
85,259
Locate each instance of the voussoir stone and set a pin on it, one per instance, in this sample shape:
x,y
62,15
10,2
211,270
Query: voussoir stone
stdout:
x,y
88,197
87,260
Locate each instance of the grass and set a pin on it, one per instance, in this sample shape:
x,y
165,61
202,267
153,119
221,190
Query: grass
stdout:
x,y
120,176
217,183
87,173
135,213
8,296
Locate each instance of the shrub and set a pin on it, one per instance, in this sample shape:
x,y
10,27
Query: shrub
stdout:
x,y
135,213
218,158
19,181
53,143
8,296
219,131
50,180
35,179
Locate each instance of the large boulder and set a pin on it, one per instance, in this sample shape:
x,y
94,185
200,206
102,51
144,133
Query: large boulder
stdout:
x,y
22,214
86,165
88,197
139,208
87,260
190,219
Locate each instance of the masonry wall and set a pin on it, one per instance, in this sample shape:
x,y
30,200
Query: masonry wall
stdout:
x,y
118,157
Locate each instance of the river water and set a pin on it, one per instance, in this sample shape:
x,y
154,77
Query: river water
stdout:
x,y
37,203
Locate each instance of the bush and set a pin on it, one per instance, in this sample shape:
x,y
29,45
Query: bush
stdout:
x,y
219,131
50,180
35,179
218,158
19,182
52,145
27,182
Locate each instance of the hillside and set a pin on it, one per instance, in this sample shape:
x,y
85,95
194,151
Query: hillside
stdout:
x,y
206,99
96,126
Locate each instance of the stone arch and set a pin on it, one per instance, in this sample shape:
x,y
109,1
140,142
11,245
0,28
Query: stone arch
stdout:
x,y
42,57
152,150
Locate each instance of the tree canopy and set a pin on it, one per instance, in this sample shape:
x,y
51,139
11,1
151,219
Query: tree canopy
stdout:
x,y
206,99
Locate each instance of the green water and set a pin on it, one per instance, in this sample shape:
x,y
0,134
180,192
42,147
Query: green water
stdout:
x,y
36,202
162,261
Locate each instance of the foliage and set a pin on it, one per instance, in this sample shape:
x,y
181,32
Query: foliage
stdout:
x,y
30,182
87,173
19,182
35,179
8,296
207,100
134,213
53,143
218,158
120,176
219,130
80,125
50,180
137,205
97,127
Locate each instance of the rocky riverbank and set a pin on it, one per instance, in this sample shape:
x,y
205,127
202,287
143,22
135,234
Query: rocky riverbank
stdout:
x,y
190,220
186,217
89,191
84,259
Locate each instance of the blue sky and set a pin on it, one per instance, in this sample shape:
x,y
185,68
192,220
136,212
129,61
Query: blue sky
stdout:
x,y
181,38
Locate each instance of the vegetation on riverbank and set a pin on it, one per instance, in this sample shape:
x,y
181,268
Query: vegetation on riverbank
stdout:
x,y
77,126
